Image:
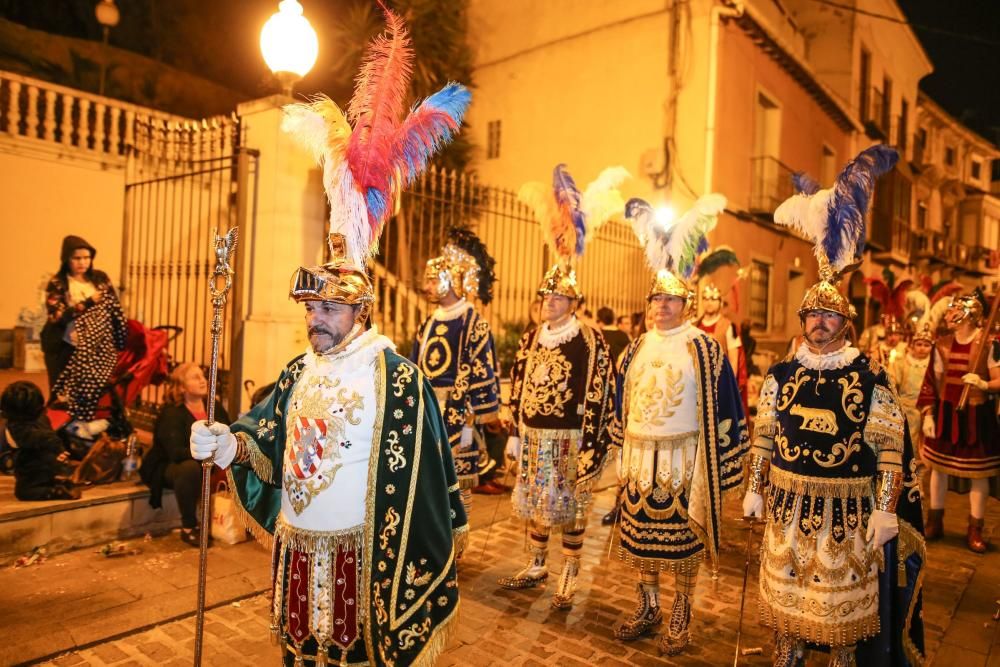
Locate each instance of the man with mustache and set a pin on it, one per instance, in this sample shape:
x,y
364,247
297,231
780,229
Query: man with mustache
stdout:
x,y
345,470
830,439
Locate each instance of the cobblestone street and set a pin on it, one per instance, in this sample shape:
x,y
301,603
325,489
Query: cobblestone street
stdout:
x,y
519,628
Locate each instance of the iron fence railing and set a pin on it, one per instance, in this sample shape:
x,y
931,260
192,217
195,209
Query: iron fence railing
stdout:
x,y
612,272
167,255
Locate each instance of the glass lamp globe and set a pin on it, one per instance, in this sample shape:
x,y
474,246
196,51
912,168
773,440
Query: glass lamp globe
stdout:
x,y
288,42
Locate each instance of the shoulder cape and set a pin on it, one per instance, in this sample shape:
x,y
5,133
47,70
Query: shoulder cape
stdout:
x,y
414,515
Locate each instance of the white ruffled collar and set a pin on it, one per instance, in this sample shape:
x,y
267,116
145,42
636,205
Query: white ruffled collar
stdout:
x,y
662,335
553,338
828,361
362,349
452,312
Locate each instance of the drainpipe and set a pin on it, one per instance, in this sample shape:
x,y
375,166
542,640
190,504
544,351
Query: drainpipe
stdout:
x,y
733,10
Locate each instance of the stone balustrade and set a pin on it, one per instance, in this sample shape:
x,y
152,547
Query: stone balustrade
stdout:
x,y
72,120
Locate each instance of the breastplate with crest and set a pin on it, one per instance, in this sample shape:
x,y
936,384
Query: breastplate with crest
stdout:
x,y
821,417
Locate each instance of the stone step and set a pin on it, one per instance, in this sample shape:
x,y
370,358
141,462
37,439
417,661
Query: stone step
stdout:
x,y
104,513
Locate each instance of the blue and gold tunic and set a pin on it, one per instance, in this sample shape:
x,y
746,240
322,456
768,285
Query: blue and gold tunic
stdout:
x,y
454,349
680,423
828,424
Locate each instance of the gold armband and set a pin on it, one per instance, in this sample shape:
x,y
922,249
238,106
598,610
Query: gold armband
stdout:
x,y
888,485
758,468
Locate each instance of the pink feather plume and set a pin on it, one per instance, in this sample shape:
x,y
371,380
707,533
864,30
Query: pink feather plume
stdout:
x,y
375,109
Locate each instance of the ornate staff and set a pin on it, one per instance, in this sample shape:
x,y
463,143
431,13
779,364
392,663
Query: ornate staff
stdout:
x,y
750,521
223,274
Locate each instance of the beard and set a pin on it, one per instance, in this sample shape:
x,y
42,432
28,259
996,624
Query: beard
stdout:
x,y
324,340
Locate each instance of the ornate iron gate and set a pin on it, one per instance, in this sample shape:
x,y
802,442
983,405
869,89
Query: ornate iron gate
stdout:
x,y
183,186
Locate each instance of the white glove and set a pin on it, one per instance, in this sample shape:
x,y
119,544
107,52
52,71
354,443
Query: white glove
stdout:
x,y
929,427
513,450
753,504
976,381
215,440
465,440
883,526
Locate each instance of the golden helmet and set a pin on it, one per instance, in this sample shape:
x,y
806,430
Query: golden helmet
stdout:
x,y
825,295
561,280
455,270
969,305
336,281
669,283
923,333
710,291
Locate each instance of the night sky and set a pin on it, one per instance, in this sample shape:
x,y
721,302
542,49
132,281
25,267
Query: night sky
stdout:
x,y
966,77
219,39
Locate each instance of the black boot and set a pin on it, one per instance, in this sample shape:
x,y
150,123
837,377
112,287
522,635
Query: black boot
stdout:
x,y
647,617
676,638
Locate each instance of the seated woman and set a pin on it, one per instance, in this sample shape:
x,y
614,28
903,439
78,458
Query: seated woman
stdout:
x,y
168,463
41,463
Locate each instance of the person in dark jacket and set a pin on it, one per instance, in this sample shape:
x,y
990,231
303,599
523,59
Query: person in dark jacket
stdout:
x,y
41,462
616,339
76,287
168,463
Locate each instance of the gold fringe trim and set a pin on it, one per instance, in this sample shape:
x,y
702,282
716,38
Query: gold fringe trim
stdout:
x,y
654,440
438,641
821,486
251,455
686,565
316,541
261,534
467,482
875,435
321,659
540,434
826,634
910,542
765,429
460,536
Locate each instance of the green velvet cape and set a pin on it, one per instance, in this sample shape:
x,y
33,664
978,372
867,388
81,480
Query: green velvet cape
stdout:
x,y
413,519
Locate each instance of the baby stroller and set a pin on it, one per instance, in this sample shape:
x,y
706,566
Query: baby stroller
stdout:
x,y
142,363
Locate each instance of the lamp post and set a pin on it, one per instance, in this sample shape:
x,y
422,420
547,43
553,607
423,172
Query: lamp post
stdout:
x,y
289,44
107,15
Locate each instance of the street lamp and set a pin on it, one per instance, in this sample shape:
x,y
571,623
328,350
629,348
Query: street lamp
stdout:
x,y
664,216
289,44
107,15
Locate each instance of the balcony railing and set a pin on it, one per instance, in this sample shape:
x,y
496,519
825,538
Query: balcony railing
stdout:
x,y
771,184
877,117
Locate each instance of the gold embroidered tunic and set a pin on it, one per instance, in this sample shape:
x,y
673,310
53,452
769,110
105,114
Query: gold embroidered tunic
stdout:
x,y
562,404
683,437
827,424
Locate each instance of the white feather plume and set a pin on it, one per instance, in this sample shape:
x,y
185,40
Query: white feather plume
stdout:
x,y
602,199
806,214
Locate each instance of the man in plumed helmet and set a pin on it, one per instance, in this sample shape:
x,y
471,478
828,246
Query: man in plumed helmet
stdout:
x,y
455,350
561,388
682,430
962,443
830,438
344,469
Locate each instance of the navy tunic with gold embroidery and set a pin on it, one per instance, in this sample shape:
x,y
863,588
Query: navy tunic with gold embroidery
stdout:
x,y
458,357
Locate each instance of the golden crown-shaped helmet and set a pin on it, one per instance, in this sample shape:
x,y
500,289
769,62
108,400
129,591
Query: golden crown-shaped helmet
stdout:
x,y
337,281
561,280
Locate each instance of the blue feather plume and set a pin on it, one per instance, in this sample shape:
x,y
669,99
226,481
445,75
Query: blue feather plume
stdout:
x,y
845,230
568,200
804,183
